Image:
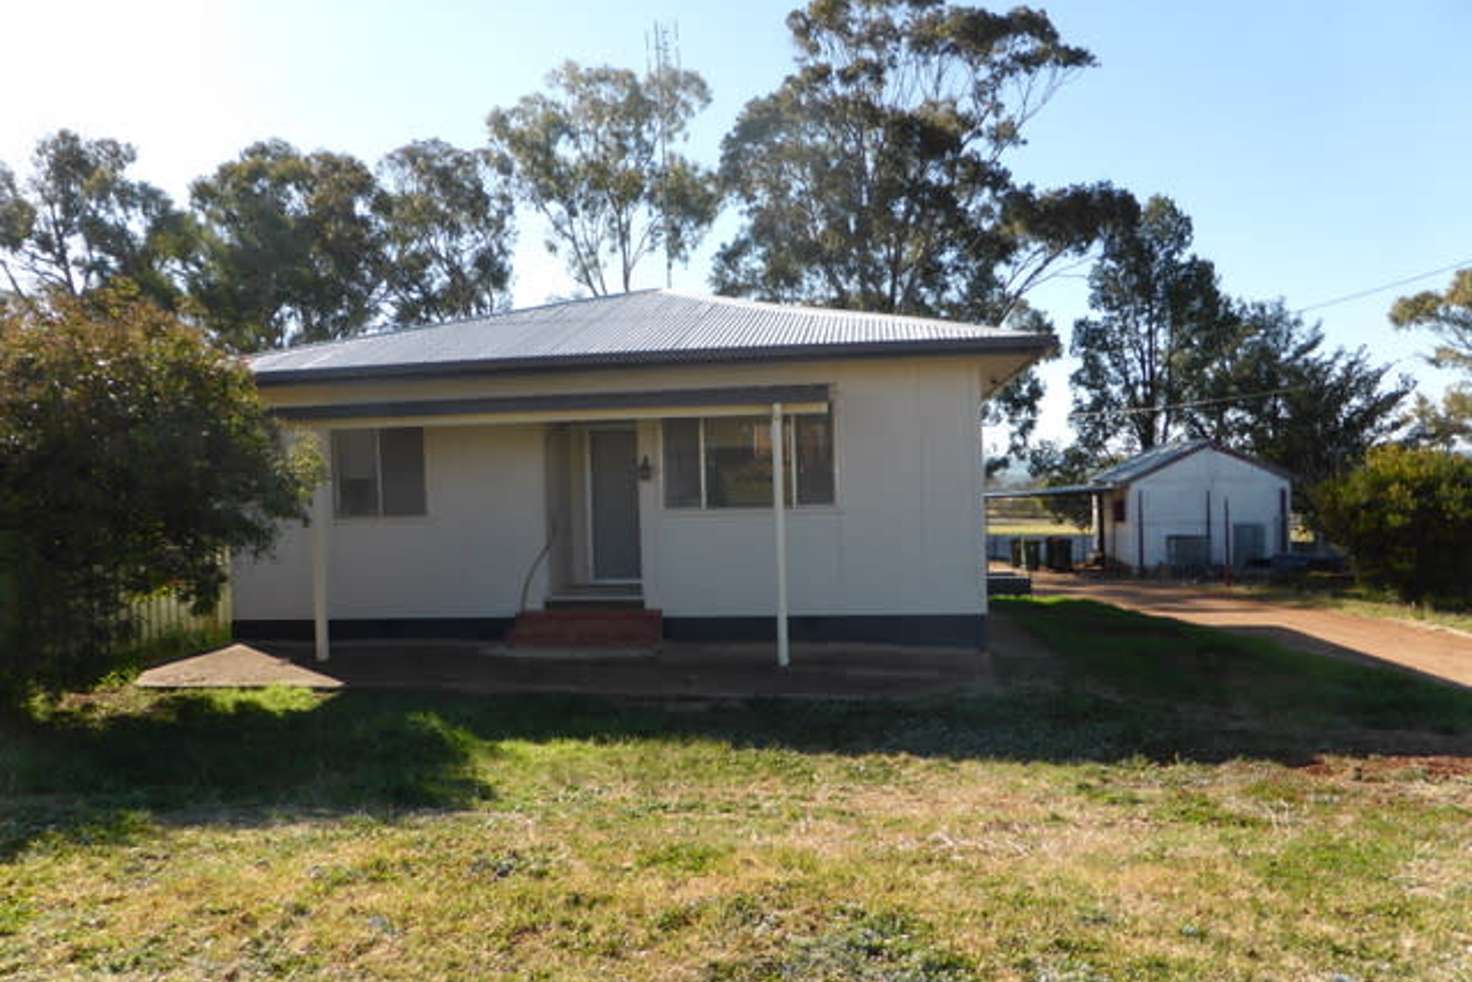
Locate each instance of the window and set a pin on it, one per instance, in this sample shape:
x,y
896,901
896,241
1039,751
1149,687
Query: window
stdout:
x,y
738,462
726,462
682,463
1119,509
379,472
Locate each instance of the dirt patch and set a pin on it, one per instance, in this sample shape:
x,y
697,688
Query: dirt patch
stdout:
x,y
1399,767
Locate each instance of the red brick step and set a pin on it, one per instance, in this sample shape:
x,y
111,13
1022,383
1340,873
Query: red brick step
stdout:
x,y
587,629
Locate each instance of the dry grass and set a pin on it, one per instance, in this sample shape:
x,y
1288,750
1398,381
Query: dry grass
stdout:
x,y
1354,599
1040,527
1041,833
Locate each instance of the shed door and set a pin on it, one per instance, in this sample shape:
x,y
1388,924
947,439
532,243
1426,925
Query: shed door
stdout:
x,y
1249,542
613,481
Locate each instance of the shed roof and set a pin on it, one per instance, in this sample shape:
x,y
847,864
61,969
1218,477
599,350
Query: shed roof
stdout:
x,y
1147,462
1141,465
648,327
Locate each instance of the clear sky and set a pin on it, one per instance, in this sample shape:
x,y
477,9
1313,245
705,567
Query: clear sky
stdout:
x,y
1321,148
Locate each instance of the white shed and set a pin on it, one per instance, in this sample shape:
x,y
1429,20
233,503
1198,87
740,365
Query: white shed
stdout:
x,y
1191,504
1187,505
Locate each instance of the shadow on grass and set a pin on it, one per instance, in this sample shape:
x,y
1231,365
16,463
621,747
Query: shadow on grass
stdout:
x,y
1122,686
84,772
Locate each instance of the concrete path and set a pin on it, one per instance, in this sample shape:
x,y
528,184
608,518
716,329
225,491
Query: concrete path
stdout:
x,y
234,666
1425,649
675,671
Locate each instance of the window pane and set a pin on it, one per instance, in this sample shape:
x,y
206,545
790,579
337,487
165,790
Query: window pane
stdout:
x,y
814,440
738,462
682,463
354,462
403,470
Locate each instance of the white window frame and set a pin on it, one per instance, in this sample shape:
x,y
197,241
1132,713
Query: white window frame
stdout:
x,y
377,516
790,459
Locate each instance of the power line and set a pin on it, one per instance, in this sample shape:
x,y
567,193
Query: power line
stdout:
x,y
1125,410
1381,289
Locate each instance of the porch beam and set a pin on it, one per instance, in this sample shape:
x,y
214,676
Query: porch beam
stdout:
x,y
340,418
574,405
321,522
779,522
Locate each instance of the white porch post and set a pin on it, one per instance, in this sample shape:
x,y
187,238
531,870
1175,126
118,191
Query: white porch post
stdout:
x,y
779,522
321,521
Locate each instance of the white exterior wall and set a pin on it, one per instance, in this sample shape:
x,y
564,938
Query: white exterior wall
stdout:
x,y
467,557
905,535
1174,502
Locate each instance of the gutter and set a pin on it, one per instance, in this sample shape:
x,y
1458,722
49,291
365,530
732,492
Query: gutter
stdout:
x,y
1023,344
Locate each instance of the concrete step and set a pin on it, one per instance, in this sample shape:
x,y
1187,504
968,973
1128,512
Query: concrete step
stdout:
x,y
597,596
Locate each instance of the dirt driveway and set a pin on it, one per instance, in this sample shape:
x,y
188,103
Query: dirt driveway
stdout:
x,y
1425,649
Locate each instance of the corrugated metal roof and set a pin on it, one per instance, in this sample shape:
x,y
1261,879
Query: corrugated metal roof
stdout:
x,y
1144,463
646,327
1128,471
1053,491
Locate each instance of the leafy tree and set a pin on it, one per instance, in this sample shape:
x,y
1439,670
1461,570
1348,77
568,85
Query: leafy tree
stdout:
x,y
587,157
447,233
1059,465
1160,321
1168,356
1443,425
79,222
1405,516
1448,314
873,177
135,454
1277,394
292,249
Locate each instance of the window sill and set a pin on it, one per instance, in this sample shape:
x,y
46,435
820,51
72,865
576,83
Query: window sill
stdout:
x,y
382,520
753,511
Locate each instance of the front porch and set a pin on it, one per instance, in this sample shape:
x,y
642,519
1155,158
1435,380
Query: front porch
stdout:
x,y
571,498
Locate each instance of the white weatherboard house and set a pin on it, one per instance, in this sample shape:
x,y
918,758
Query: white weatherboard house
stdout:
x,y
631,447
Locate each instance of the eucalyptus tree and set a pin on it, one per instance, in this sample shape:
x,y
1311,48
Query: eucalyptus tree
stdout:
x,y
593,157
291,247
874,177
1447,313
447,231
1280,393
79,222
1160,320
1167,355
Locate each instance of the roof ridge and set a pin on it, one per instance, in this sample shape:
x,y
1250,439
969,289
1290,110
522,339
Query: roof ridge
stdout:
x,y
825,311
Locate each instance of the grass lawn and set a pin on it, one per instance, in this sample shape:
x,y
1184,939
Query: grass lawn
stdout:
x,y
1038,527
1156,801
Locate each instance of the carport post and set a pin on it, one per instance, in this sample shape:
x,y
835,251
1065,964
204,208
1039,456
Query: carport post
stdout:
x,y
1227,535
1140,529
321,519
779,521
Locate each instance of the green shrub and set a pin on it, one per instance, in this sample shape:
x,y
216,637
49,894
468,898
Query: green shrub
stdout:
x,y
134,454
1406,518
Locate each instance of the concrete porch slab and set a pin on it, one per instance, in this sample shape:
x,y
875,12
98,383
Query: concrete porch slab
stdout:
x,y
674,671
